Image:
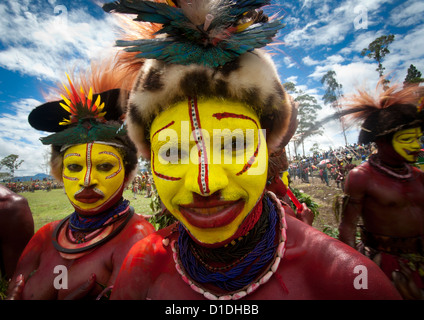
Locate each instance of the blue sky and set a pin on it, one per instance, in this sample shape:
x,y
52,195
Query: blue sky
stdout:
x,y
42,39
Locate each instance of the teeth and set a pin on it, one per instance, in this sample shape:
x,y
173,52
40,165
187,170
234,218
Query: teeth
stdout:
x,y
208,211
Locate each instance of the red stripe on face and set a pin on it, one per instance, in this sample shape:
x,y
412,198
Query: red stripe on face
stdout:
x,y
119,162
252,159
167,126
87,178
203,176
160,175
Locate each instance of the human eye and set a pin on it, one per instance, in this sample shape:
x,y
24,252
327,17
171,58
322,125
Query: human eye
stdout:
x,y
104,166
407,139
73,167
170,154
236,145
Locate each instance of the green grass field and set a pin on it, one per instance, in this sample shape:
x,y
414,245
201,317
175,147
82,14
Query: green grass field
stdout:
x,y
54,205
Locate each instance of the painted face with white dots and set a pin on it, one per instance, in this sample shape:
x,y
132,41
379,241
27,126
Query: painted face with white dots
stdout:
x,y
209,162
93,176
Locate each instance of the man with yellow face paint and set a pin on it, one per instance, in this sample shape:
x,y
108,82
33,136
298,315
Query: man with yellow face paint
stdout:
x,y
79,257
207,109
387,192
231,195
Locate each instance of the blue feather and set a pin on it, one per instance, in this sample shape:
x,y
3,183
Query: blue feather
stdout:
x,y
187,43
146,10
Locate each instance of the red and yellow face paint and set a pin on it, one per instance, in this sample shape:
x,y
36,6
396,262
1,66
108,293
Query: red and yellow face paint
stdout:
x,y
407,143
209,162
93,176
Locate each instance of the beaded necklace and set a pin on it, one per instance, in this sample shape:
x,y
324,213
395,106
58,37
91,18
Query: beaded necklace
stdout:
x,y
70,247
375,161
238,278
80,223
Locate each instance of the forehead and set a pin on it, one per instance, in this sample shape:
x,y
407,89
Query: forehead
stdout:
x,y
210,111
411,131
92,148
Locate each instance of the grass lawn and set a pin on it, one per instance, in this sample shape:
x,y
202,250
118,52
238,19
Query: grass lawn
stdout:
x,y
54,205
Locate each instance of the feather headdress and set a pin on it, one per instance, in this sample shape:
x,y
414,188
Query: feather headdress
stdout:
x,y
386,111
205,49
205,32
90,113
79,117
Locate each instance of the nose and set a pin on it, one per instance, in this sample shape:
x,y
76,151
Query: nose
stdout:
x,y
205,179
89,178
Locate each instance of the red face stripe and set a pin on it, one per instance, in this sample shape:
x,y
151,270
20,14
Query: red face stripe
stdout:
x,y
87,178
71,155
203,176
167,126
252,159
119,162
160,175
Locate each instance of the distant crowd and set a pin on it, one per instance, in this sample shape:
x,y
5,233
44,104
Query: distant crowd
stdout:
x,y
32,186
333,164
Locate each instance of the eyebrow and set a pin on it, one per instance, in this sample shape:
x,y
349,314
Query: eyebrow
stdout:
x,y
252,159
223,115
72,155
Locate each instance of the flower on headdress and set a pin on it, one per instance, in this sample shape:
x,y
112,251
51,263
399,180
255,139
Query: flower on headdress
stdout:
x,y
81,106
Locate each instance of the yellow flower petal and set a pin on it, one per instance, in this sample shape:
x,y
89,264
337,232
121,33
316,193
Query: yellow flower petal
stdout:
x,y
64,106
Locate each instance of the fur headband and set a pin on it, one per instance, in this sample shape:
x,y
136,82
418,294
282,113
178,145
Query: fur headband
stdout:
x,y
251,78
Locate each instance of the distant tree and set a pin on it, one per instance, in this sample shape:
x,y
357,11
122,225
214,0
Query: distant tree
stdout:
x,y
4,176
290,87
333,94
307,115
413,76
315,148
11,162
377,50
45,164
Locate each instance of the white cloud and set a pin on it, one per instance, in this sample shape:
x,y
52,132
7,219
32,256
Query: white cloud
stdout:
x,y
45,40
292,79
351,76
407,14
405,50
288,62
309,61
18,137
330,26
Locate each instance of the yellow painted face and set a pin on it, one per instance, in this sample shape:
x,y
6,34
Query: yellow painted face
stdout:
x,y
209,163
407,143
93,176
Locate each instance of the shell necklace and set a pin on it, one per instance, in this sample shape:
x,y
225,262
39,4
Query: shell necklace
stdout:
x,y
243,276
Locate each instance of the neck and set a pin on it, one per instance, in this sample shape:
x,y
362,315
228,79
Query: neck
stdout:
x,y
244,274
89,223
389,157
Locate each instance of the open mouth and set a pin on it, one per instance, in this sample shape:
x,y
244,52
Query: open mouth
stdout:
x,y
88,196
411,153
213,214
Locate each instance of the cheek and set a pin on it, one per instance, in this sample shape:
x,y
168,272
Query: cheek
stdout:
x,y
399,148
111,183
71,185
168,190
